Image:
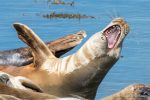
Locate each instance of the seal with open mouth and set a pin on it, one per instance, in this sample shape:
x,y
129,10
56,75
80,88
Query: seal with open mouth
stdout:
x,y
78,74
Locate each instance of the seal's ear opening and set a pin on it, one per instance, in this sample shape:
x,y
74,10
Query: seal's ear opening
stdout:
x,y
39,49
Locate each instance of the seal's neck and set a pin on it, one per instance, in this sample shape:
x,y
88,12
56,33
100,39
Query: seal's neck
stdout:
x,y
91,52
95,47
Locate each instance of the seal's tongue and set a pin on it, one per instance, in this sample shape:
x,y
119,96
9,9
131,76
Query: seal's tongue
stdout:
x,y
112,34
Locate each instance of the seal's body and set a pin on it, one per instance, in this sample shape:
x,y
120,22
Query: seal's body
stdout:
x,y
9,93
78,74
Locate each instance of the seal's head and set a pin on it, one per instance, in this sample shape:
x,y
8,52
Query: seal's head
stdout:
x,y
109,40
115,33
132,92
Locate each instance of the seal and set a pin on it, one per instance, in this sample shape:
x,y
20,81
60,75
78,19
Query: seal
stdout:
x,y
132,92
18,82
19,87
9,93
23,56
78,74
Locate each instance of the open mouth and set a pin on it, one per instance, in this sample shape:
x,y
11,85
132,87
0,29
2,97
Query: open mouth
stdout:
x,y
112,34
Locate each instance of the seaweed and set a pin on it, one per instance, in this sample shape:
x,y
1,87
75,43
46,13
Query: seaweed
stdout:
x,y
60,2
66,16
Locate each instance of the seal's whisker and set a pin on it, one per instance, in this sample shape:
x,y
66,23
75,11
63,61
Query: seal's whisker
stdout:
x,y
109,15
118,14
114,12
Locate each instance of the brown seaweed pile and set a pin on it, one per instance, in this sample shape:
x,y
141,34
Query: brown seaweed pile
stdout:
x,y
67,16
60,2
62,15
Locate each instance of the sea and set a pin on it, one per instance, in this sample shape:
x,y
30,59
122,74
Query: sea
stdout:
x,y
133,66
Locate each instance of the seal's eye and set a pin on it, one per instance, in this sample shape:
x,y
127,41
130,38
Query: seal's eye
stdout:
x,y
102,38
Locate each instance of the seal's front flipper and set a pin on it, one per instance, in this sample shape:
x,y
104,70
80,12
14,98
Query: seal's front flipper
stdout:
x,y
65,44
18,82
40,51
28,84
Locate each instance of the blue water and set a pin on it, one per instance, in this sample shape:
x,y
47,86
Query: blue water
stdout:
x,y
134,67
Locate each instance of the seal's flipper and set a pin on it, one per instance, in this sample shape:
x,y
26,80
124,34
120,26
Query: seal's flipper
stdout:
x,y
28,84
40,51
67,43
18,82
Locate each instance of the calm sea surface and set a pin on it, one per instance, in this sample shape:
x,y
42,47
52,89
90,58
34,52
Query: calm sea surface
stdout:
x,y
134,67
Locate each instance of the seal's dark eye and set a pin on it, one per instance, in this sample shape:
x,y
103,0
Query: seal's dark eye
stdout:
x,y
102,38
